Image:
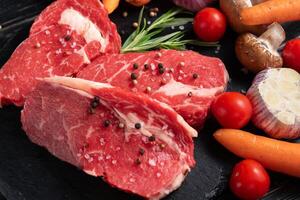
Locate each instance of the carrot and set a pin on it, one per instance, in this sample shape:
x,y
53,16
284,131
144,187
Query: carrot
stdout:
x,y
111,5
271,11
274,154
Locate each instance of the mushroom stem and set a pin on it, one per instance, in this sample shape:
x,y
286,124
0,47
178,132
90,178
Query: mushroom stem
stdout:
x,y
275,35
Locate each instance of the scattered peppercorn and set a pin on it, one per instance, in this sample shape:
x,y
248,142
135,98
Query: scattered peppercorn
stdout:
x,y
161,70
162,146
138,161
37,45
160,65
146,66
135,66
125,14
190,94
138,125
152,14
133,76
106,123
195,76
152,138
141,151
121,125
148,89
67,37
95,102
135,24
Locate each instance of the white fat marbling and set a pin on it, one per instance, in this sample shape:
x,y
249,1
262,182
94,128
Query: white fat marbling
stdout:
x,y
83,26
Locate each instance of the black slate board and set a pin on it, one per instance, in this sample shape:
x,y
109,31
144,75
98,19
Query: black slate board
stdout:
x,y
28,172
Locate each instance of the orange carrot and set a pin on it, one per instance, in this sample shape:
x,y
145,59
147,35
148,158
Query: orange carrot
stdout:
x,y
111,5
274,154
271,11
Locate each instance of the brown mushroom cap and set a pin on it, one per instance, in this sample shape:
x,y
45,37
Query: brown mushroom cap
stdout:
x,y
256,54
231,9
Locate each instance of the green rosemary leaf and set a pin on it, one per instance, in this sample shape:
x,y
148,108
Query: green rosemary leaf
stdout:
x,y
147,38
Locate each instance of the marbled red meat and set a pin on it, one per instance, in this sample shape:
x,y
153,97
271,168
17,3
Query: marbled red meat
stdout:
x,y
135,143
66,37
185,80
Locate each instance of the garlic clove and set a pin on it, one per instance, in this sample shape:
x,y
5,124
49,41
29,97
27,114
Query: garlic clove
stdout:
x,y
275,97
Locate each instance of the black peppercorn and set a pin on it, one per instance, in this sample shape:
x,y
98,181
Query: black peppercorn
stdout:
x,y
152,138
138,125
135,66
106,123
133,76
67,37
195,76
138,161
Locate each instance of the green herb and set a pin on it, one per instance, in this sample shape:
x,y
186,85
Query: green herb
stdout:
x,y
147,38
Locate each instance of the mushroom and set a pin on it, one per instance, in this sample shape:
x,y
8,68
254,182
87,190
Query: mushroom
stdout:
x,y
232,8
258,53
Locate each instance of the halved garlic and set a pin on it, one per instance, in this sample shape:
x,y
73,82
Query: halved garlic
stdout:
x,y
275,97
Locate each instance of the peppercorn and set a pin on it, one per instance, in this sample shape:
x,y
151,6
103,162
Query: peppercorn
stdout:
x,y
161,70
106,123
146,66
138,125
190,94
125,14
162,146
67,38
152,138
160,65
133,76
95,102
135,24
195,76
135,66
138,161
141,151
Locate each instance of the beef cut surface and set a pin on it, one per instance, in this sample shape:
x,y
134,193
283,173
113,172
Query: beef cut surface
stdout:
x,y
64,38
185,80
134,142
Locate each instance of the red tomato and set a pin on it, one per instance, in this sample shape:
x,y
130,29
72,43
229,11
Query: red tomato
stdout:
x,y
291,54
249,180
232,110
210,24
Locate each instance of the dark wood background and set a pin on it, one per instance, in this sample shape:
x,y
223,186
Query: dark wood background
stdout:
x,y
28,172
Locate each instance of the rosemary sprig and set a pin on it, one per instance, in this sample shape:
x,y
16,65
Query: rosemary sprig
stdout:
x,y
147,38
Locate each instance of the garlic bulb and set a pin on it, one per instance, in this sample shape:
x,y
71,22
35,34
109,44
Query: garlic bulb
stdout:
x,y
275,97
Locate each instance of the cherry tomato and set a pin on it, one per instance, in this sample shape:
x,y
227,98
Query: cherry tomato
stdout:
x,y
249,180
291,54
210,24
232,110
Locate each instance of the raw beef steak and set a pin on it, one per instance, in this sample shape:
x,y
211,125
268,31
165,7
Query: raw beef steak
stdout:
x,y
86,17
185,80
61,48
135,143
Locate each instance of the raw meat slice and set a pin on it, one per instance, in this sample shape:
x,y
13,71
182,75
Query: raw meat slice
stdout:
x,y
66,41
135,143
185,80
86,16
